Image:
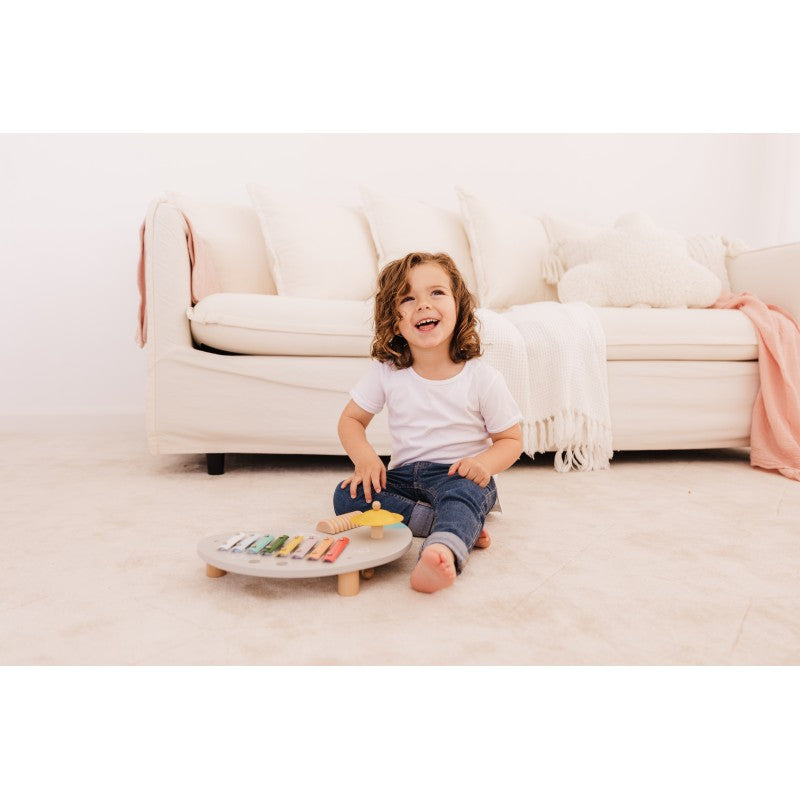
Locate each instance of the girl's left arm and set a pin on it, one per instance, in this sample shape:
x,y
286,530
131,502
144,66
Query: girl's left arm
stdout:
x,y
505,450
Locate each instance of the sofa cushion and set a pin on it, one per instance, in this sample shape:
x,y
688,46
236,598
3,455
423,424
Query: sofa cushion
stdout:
x,y
678,334
400,226
255,324
235,243
315,248
508,248
288,326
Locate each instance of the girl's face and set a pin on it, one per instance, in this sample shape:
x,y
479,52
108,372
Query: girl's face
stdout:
x,y
427,312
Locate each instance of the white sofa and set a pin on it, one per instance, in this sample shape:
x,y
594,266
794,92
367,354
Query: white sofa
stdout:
x,y
250,370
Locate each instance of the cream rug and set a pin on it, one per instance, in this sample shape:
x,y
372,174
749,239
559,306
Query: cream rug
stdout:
x,y
665,558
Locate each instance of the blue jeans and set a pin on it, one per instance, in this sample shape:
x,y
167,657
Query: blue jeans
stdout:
x,y
443,509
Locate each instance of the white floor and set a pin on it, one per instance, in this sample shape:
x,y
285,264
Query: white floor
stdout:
x,y
666,558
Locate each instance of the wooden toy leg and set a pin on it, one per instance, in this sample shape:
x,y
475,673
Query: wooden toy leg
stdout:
x,y
348,584
368,573
214,572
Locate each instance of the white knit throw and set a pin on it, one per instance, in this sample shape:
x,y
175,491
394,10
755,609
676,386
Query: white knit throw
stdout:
x,y
555,366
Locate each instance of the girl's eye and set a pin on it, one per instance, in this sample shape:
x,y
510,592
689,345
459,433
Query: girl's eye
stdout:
x,y
406,299
438,291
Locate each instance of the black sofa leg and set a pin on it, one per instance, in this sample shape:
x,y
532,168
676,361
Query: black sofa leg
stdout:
x,y
215,463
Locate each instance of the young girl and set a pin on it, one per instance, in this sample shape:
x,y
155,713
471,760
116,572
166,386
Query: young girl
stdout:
x,y
452,419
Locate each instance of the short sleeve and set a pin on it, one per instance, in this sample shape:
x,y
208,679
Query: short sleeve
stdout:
x,y
498,407
370,393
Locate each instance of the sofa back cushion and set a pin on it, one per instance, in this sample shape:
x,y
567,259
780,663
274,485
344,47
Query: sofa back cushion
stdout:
x,y
315,248
400,226
508,248
233,238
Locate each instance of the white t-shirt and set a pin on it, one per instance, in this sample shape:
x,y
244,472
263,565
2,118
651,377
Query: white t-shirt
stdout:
x,y
439,421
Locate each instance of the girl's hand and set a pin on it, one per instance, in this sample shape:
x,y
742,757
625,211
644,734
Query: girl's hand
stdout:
x,y
473,470
371,473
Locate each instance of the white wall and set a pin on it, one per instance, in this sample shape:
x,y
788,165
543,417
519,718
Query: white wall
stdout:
x,y
72,204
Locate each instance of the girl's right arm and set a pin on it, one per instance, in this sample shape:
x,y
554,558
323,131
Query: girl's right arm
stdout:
x,y
368,469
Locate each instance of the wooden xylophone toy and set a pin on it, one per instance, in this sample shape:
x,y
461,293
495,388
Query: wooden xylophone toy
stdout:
x,y
311,547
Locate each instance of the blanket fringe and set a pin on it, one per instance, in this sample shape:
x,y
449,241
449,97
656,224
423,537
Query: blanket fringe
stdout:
x,y
560,433
581,459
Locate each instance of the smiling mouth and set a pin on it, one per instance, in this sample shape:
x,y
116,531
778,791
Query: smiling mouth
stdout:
x,y
426,324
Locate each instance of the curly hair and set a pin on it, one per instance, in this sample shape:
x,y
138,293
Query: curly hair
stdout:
x,y
388,344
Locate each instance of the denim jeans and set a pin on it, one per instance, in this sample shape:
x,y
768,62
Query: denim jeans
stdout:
x,y
444,509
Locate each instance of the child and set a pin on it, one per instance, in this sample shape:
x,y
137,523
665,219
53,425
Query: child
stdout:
x,y
452,419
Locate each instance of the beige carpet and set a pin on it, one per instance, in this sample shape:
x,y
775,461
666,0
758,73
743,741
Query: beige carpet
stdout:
x,y
666,558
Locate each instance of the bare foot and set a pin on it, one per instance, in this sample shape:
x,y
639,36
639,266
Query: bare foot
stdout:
x,y
484,540
436,569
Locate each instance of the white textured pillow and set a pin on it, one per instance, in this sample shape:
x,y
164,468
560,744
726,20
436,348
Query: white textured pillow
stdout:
x,y
713,251
400,226
234,240
316,249
508,248
635,264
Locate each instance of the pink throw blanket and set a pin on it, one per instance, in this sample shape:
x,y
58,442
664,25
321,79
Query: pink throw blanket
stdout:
x,y
204,279
775,430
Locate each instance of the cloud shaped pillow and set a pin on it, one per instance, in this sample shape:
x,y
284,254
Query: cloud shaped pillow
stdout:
x,y
635,263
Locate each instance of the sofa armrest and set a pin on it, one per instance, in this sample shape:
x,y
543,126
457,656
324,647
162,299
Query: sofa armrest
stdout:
x,y
772,274
169,336
167,279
